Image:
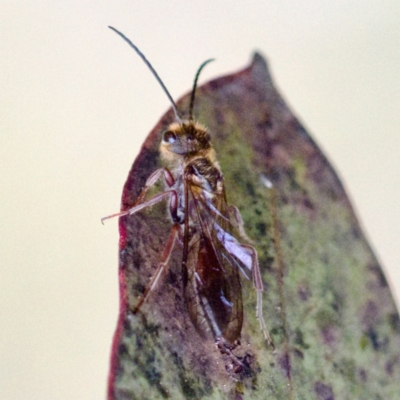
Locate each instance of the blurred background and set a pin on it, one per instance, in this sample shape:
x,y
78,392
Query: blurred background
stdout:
x,y
75,106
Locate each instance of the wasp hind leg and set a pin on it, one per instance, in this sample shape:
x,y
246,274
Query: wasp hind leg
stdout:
x,y
247,255
259,288
237,221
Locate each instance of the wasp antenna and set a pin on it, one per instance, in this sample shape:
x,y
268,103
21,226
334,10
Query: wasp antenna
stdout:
x,y
153,71
195,86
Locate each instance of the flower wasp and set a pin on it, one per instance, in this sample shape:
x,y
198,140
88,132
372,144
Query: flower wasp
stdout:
x,y
202,223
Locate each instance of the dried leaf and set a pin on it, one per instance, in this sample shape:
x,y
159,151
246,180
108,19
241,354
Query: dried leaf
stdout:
x,y
327,304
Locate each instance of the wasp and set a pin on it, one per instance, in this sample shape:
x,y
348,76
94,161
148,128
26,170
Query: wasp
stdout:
x,y
203,225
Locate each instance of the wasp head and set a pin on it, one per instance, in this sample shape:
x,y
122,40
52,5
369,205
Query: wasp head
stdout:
x,y
187,140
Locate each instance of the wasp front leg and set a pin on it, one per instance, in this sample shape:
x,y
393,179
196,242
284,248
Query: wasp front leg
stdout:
x,y
139,204
169,247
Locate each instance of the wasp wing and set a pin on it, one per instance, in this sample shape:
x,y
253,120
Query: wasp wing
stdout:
x,y
212,285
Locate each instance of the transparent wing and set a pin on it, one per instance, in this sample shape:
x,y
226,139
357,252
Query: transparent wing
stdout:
x,y
212,289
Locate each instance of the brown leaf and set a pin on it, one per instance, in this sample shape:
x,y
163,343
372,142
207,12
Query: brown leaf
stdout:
x,y
327,303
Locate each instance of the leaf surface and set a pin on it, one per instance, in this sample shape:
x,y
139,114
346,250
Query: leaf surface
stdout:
x,y
327,304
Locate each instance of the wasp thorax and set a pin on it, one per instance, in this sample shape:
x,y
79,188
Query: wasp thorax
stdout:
x,y
186,139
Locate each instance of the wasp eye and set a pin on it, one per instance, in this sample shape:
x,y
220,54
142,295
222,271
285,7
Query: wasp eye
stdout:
x,y
169,137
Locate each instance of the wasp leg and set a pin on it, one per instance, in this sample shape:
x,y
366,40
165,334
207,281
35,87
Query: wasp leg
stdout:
x,y
247,255
148,203
238,223
259,288
161,266
151,181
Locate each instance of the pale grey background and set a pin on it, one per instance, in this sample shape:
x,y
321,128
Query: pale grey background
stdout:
x,y
76,104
